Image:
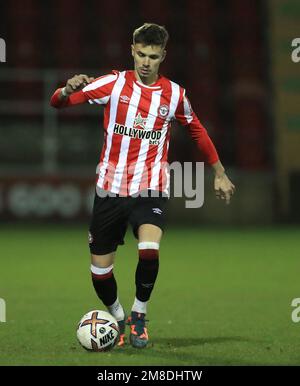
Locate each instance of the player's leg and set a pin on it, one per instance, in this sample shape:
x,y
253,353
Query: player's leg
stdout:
x,y
147,220
107,230
105,285
149,237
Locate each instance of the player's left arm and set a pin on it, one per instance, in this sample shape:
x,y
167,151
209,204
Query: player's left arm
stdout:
x,y
224,188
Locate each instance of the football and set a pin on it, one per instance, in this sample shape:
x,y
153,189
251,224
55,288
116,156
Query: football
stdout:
x,y
98,331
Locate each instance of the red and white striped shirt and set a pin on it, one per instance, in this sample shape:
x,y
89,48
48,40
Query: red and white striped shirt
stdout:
x,y
137,123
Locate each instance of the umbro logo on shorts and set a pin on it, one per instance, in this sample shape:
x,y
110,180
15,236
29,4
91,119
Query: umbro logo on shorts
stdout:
x,y
157,210
90,238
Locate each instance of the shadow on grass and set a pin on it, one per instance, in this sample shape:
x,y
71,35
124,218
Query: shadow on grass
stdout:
x,y
185,342
173,350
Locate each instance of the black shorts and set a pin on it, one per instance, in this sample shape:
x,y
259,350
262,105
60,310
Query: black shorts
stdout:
x,y
111,216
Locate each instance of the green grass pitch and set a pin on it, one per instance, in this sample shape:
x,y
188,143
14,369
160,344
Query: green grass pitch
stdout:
x,y
223,297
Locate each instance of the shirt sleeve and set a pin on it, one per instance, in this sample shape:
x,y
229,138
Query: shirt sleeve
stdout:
x,y
186,116
97,92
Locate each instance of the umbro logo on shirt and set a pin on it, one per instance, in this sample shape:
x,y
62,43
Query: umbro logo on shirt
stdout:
x,y
156,210
124,99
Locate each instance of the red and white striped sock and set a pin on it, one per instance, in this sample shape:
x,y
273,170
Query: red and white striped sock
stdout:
x,y
105,284
146,274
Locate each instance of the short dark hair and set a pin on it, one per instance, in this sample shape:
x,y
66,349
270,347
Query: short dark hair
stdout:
x,y
151,34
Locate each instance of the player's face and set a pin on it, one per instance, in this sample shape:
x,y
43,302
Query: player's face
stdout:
x,y
147,59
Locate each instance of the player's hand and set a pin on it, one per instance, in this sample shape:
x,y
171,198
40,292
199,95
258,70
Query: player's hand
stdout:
x,y
76,83
224,188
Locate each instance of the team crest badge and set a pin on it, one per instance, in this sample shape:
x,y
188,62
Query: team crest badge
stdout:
x,y
163,111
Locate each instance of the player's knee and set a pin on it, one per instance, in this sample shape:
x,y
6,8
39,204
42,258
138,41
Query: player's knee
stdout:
x,y
148,232
103,261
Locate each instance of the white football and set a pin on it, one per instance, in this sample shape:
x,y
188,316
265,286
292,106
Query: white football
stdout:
x,y
98,331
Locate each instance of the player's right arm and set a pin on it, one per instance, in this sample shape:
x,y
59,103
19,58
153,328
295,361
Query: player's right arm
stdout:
x,y
72,93
82,88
